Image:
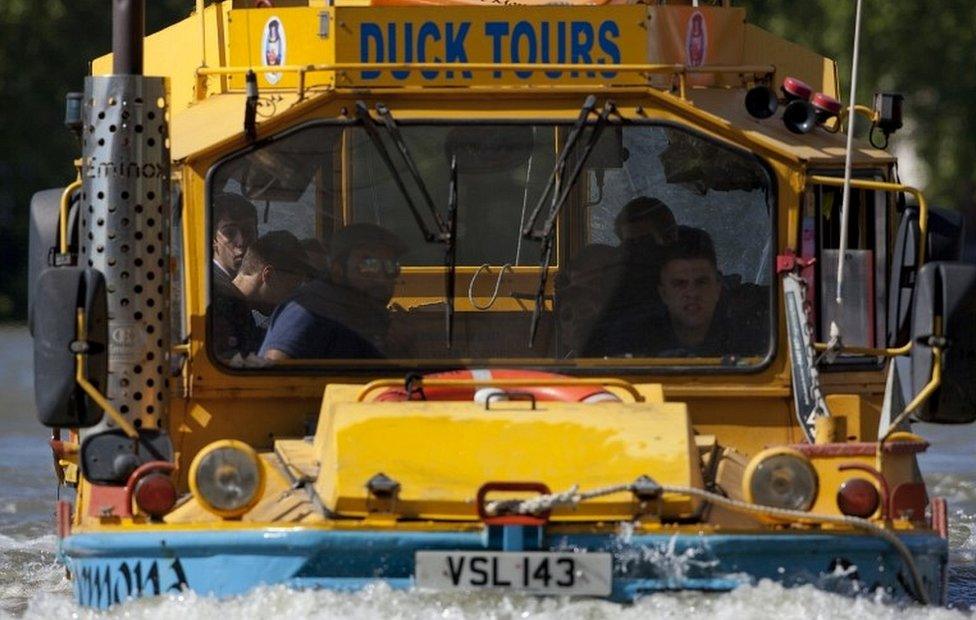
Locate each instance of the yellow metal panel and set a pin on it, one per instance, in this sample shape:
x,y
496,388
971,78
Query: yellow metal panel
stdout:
x,y
485,34
176,52
300,44
790,59
442,452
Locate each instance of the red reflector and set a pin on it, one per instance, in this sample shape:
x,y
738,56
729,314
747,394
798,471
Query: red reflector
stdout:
x,y
796,89
155,494
825,103
858,498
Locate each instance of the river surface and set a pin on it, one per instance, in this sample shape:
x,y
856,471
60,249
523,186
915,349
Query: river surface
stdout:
x,y
33,585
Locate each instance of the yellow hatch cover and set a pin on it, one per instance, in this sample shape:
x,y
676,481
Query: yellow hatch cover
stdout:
x,y
442,452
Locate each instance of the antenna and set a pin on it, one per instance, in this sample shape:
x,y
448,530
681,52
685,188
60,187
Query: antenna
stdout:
x,y
846,203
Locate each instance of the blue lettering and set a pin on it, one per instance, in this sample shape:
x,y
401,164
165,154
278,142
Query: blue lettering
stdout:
x,y
428,31
523,30
610,29
496,30
407,49
454,51
367,32
545,42
581,36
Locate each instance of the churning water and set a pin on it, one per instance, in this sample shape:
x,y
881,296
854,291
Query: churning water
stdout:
x,y
32,585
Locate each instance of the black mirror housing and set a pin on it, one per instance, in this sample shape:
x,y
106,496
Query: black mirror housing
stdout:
x,y
944,243
945,315
59,293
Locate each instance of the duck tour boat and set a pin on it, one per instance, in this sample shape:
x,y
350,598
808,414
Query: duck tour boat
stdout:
x,y
599,299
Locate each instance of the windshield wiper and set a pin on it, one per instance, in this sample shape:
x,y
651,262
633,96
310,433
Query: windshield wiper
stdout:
x,y
450,254
369,124
560,196
394,131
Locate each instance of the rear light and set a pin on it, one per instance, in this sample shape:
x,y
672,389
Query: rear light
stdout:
x,y
826,107
155,494
857,497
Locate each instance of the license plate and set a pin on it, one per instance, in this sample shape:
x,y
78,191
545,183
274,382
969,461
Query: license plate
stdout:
x,y
534,572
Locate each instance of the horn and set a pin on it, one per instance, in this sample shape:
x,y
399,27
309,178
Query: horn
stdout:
x,y
799,116
761,102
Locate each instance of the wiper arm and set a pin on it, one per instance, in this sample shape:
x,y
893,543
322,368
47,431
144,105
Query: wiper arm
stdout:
x,y
528,227
394,130
363,115
546,234
450,254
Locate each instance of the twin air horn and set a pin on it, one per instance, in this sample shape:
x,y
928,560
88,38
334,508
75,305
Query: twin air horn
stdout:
x,y
804,109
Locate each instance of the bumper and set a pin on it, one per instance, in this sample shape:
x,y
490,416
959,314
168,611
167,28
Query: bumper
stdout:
x,y
109,568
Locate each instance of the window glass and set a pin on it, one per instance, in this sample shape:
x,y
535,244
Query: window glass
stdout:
x,y
662,248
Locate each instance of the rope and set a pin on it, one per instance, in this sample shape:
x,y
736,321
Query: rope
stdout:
x,y
572,497
498,285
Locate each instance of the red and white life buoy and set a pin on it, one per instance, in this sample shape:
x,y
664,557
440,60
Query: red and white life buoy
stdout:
x,y
554,393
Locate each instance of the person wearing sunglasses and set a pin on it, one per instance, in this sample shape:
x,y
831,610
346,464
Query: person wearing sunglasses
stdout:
x,y
342,314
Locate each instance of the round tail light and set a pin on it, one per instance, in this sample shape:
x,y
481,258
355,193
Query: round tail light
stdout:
x,y
794,89
857,497
155,494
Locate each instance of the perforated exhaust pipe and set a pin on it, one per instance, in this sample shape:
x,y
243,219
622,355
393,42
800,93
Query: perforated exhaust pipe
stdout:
x,y
124,233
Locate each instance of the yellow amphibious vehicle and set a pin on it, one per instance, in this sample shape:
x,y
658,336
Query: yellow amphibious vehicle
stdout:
x,y
566,300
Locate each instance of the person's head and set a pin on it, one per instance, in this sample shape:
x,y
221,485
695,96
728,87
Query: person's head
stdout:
x,y
645,218
273,267
235,226
318,256
582,288
689,284
365,257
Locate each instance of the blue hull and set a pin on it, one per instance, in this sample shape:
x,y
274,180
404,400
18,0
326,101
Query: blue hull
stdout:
x,y
111,568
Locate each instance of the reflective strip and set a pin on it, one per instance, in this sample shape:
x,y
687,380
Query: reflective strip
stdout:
x,y
481,374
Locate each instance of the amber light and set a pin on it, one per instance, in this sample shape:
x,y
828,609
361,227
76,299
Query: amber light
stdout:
x,y
857,497
155,494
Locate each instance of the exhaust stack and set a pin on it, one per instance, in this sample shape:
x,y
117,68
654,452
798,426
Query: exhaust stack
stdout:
x,y
124,233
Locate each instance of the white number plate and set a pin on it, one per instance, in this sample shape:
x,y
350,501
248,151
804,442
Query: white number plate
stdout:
x,y
535,572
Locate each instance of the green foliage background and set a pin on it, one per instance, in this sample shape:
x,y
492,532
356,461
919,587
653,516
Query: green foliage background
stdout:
x,y
924,50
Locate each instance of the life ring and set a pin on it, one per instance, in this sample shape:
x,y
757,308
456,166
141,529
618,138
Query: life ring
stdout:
x,y
560,393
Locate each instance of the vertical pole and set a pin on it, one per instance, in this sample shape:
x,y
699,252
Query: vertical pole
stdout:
x,y
128,31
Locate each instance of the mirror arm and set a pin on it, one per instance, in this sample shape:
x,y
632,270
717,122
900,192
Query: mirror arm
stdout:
x,y
90,389
920,398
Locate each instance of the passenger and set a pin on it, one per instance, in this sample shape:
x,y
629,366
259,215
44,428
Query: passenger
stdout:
x,y
343,316
235,226
272,268
318,256
645,219
582,294
701,319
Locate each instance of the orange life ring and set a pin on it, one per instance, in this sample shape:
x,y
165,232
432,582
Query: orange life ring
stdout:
x,y
561,393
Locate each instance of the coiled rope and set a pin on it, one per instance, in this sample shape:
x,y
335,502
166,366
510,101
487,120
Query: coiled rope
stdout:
x,y
573,497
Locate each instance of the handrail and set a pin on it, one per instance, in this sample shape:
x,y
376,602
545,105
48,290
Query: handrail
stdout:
x,y
378,384
657,69
64,208
923,224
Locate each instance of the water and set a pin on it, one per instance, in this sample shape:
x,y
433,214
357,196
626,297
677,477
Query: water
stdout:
x,y
32,585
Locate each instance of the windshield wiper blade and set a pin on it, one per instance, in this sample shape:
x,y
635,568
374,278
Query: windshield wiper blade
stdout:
x,y
546,234
394,131
450,254
363,115
528,227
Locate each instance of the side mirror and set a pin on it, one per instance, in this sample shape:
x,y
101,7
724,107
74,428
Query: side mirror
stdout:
x,y
945,235
945,316
59,293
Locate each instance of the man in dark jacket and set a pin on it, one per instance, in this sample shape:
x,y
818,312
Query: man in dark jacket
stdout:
x,y
343,315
